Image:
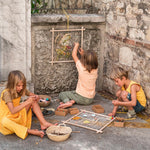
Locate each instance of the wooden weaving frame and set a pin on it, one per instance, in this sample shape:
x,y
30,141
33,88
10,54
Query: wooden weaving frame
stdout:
x,y
100,130
65,30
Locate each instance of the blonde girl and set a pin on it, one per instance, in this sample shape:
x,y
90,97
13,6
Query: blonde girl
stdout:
x,y
87,68
16,117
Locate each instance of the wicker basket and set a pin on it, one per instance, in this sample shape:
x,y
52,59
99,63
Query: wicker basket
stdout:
x,y
58,133
44,103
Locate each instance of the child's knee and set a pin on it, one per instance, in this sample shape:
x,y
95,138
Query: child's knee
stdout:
x,y
4,121
118,93
125,95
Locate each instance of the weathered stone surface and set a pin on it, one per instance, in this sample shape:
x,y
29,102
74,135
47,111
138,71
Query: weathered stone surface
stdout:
x,y
136,76
136,34
120,8
129,12
125,56
107,1
110,17
135,1
60,76
132,23
147,89
72,18
147,53
109,85
15,43
148,34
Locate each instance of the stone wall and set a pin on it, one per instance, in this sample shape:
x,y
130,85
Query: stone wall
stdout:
x,y
127,40
53,78
15,39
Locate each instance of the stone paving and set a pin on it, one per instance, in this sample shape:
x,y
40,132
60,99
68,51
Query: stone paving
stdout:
x,y
130,137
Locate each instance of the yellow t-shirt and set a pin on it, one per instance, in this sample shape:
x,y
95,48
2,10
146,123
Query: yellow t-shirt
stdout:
x,y
86,81
140,95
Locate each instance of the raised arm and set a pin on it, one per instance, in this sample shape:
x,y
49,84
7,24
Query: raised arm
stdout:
x,y
74,52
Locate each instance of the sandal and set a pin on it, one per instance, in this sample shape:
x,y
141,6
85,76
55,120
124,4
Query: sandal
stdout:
x,y
131,114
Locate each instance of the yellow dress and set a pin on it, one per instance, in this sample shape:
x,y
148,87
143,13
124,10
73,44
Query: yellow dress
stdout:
x,y
17,123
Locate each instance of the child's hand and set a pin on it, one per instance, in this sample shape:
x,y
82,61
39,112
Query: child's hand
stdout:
x,y
37,97
31,99
81,51
76,44
115,102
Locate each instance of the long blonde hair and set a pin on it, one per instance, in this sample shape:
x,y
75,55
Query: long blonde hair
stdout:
x,y
14,78
89,60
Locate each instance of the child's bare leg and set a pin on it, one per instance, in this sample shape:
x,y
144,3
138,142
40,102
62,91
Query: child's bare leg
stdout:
x,y
36,132
118,94
124,98
67,104
36,109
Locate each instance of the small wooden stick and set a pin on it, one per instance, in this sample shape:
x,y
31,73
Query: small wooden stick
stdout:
x,y
96,121
105,125
84,127
68,30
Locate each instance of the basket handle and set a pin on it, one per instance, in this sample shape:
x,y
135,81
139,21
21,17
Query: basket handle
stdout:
x,y
62,124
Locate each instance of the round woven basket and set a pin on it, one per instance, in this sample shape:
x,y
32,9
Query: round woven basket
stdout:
x,y
44,103
58,133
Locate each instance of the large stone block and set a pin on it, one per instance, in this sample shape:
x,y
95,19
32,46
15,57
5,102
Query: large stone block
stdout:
x,y
126,56
107,1
120,8
147,89
132,23
148,34
135,1
136,34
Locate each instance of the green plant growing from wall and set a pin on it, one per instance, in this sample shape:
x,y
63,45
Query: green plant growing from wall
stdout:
x,y
36,5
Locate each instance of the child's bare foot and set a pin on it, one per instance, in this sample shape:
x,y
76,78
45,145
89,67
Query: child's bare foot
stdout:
x,y
36,132
67,104
46,125
72,101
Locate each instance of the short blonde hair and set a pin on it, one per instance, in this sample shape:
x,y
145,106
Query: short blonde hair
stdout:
x,y
119,73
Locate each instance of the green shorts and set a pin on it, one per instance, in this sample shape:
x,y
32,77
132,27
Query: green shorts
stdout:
x,y
72,95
